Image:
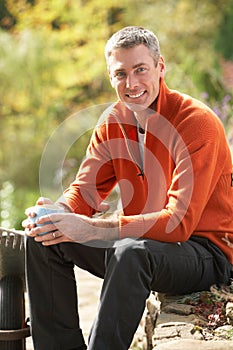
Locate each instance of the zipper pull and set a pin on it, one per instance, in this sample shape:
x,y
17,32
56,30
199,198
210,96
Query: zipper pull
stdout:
x,y
141,173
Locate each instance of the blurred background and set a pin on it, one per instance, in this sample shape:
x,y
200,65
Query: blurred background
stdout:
x,y
52,66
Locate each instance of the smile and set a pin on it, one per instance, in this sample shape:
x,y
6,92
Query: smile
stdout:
x,y
137,95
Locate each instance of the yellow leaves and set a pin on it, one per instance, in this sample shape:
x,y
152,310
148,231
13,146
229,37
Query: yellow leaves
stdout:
x,y
16,7
66,76
40,14
18,102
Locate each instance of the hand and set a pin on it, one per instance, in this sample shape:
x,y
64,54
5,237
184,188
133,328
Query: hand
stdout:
x,y
27,224
68,227
40,201
30,224
65,227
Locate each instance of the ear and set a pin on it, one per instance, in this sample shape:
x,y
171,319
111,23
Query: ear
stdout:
x,y
110,78
162,66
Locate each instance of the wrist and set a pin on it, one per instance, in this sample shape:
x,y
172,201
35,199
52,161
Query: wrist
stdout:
x,y
105,229
65,206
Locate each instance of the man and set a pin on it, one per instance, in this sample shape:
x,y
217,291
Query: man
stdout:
x,y
169,156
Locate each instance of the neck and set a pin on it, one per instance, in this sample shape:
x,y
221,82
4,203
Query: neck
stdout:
x,y
142,116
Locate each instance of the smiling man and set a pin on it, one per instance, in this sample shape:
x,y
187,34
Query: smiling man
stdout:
x,y
135,76
169,156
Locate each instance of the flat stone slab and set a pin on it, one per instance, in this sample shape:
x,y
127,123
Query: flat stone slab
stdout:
x,y
175,330
195,345
179,309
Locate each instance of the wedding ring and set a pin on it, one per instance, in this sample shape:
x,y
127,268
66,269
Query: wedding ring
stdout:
x,y
54,235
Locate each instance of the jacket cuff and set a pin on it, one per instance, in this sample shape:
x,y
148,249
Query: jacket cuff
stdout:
x,y
131,226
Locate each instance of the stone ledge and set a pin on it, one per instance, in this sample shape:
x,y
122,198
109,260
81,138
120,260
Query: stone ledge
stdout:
x,y
189,344
202,320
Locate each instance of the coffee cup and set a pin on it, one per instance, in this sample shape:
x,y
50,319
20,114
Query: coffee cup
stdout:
x,y
42,210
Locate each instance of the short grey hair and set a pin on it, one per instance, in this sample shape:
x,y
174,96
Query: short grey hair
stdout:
x,y
132,36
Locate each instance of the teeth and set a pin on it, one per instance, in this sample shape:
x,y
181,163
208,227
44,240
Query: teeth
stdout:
x,y
136,96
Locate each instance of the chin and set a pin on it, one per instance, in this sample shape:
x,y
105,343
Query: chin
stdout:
x,y
135,107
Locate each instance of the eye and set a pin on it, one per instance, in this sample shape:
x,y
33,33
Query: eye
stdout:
x,y
141,70
119,74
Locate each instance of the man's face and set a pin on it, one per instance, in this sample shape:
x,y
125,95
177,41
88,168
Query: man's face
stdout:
x,y
134,76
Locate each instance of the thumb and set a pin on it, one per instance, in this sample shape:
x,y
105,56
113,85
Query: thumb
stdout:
x,y
43,200
103,207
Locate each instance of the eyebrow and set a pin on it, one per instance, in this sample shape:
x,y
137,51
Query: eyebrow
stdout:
x,y
135,66
139,65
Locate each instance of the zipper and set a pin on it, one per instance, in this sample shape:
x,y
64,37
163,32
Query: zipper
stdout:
x,y
130,151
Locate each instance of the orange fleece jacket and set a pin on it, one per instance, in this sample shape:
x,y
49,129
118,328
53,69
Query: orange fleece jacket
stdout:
x,y
181,187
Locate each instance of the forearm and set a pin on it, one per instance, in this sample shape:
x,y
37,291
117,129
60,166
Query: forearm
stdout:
x,y
104,229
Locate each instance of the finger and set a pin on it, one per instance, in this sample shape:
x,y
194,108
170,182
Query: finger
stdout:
x,y
50,218
28,224
32,232
25,223
43,200
103,207
27,232
42,231
59,239
48,236
30,212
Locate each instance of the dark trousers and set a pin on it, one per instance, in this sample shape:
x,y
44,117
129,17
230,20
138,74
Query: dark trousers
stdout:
x,y
130,268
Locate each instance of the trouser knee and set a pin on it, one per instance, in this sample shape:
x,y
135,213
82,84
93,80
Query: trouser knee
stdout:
x,y
130,255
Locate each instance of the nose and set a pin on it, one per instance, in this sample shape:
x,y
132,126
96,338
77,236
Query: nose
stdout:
x,y
131,82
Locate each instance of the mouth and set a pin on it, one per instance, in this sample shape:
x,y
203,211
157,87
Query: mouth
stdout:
x,y
134,96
